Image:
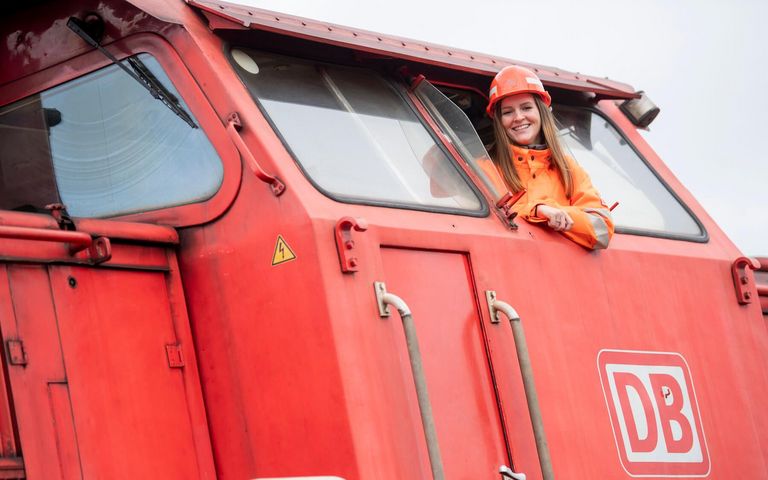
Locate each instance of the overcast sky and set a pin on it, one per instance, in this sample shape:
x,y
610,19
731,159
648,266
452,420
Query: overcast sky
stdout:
x,y
704,62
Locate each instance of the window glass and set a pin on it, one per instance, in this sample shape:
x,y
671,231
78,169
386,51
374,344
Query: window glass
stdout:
x,y
103,146
354,134
457,126
645,203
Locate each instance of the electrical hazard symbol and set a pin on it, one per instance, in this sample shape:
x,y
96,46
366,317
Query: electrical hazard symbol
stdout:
x,y
283,252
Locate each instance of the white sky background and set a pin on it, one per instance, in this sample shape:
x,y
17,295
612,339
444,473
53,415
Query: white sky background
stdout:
x,y
704,62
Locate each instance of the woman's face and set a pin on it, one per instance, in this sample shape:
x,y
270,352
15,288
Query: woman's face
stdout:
x,y
521,119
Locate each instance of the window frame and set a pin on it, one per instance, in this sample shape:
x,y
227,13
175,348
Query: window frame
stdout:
x,y
208,121
702,238
399,90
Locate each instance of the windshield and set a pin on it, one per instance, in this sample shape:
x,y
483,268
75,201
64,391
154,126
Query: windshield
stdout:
x,y
645,204
102,146
354,135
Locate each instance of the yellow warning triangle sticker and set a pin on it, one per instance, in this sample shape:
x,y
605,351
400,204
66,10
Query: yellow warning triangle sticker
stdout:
x,y
283,252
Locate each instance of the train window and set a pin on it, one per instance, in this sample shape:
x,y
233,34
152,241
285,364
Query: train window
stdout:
x,y
354,135
646,205
454,122
103,146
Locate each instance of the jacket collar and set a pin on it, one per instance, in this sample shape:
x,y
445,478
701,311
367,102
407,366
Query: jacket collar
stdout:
x,y
533,157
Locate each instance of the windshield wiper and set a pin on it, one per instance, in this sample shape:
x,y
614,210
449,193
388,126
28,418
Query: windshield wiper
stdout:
x,y
139,72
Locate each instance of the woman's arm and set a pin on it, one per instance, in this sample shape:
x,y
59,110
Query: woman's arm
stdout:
x,y
592,223
586,221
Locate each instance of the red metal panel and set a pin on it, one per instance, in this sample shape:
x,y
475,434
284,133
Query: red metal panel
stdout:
x,y
658,306
10,462
8,431
299,372
30,315
455,359
130,408
268,358
130,414
12,468
66,437
38,38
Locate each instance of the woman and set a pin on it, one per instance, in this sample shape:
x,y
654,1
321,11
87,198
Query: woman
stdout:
x,y
529,156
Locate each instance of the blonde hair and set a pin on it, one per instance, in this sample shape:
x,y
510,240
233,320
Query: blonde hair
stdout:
x,y
503,158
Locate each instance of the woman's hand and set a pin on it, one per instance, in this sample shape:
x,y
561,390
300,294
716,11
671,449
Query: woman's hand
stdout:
x,y
557,219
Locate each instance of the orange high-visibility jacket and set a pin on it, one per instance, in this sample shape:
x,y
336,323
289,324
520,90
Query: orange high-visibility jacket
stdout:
x,y
592,222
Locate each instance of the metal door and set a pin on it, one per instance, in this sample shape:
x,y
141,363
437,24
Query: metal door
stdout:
x,y
99,357
439,289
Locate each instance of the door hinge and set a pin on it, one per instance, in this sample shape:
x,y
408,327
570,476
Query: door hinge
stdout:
x,y
16,353
175,356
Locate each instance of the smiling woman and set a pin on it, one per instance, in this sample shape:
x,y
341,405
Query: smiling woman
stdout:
x,y
521,119
529,157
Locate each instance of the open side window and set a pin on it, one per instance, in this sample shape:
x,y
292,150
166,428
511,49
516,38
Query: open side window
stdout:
x,y
647,206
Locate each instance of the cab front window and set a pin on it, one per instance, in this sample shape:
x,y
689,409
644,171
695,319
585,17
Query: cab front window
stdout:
x,y
104,147
355,136
646,206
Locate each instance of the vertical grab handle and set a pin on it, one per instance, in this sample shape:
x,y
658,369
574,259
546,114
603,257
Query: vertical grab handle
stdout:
x,y
233,126
495,307
385,299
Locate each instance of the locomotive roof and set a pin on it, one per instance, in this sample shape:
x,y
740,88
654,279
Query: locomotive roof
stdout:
x,y
413,50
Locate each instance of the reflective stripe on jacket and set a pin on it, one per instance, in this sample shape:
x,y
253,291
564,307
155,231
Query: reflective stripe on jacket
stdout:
x,y
592,222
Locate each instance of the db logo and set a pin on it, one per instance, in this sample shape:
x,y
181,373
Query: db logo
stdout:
x,y
654,413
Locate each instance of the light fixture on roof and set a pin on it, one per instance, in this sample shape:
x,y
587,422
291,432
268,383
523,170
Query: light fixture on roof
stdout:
x,y
640,111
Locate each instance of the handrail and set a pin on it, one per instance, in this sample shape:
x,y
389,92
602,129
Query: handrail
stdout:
x,y
77,240
521,346
95,227
99,248
233,125
385,299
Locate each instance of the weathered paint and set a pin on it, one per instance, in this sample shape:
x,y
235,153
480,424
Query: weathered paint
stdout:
x,y
288,369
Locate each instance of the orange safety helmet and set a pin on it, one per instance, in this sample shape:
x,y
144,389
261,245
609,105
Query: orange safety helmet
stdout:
x,y
512,80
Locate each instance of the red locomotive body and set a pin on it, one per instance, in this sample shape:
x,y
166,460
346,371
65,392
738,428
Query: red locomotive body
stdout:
x,y
241,245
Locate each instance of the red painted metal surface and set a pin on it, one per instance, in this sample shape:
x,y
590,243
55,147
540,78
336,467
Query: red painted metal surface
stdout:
x,y
345,245
388,46
223,364
102,372
459,380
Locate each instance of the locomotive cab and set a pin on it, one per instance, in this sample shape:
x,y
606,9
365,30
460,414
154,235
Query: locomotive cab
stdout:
x,y
241,244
